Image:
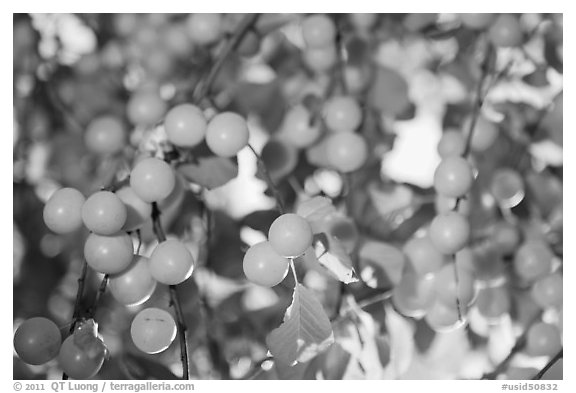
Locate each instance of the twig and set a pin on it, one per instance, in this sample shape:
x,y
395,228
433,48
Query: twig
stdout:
x,y
293,268
204,87
99,294
269,181
76,313
174,300
550,363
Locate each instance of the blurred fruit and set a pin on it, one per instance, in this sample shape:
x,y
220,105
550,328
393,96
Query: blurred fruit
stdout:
x,y
37,340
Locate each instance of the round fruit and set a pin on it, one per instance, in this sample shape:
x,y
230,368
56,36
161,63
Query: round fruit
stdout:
x,y
493,302
414,294
363,21
63,211
318,31
78,362
346,151
152,179
505,237
507,187
453,177
533,260
204,29
227,134
442,317
449,232
342,114
134,285
448,289
153,330
452,143
145,108
37,340
321,59
543,339
280,158
547,291
109,254
423,257
263,266
484,135
506,31
137,211
171,263
297,128
105,135
185,125
477,21
104,213
290,235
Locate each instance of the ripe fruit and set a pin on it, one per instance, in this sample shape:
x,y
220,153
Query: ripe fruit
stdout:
x,y
477,21
506,31
533,260
109,254
484,135
153,330
263,266
137,211
543,339
449,232
79,362
105,135
414,294
227,134
452,143
321,59
280,158
37,340
63,211
152,179
104,213
185,125
423,257
134,285
171,263
507,187
318,31
145,108
346,151
342,114
443,317
547,291
290,235
493,302
204,29
297,128
505,237
447,289
453,177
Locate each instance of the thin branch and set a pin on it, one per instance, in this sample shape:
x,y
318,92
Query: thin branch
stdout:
x,y
293,268
99,294
457,283
243,27
548,365
174,300
269,181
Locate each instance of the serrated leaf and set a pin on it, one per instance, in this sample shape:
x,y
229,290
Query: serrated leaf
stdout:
x,y
331,254
305,332
381,264
209,172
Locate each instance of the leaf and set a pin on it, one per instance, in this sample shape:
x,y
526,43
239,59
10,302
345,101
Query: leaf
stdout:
x,y
334,362
332,255
136,367
389,92
381,264
402,347
316,210
305,332
210,171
